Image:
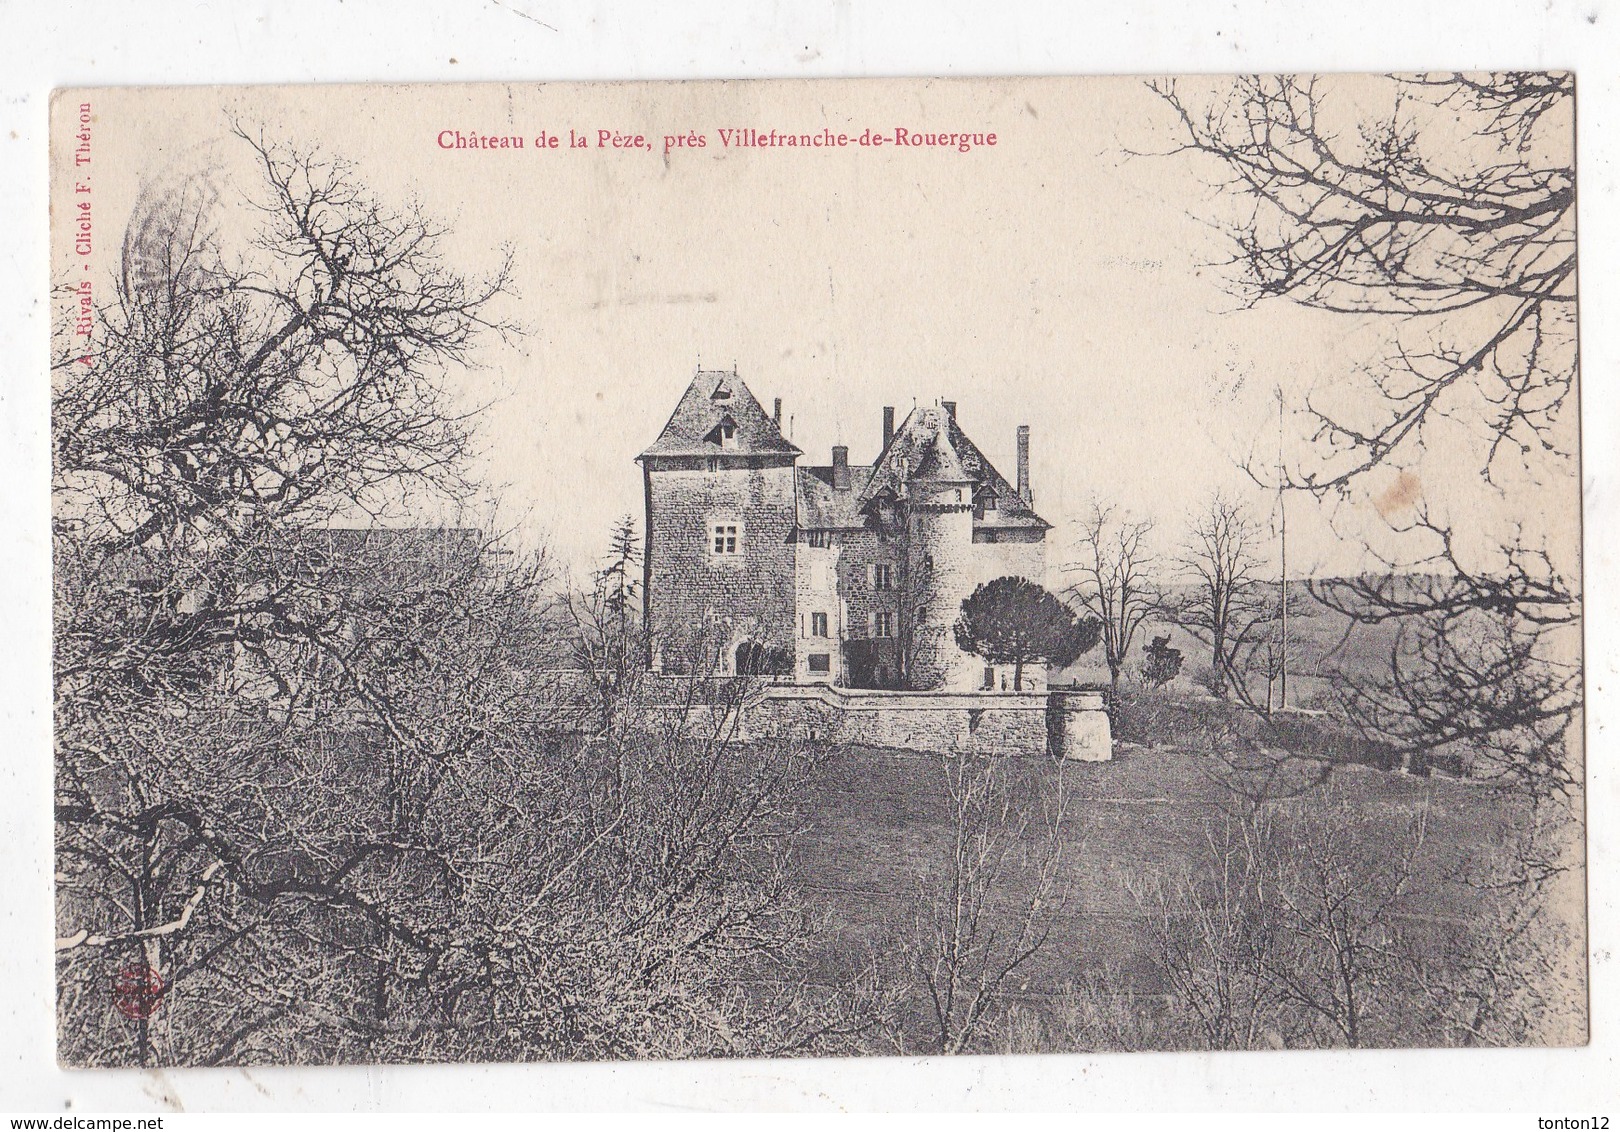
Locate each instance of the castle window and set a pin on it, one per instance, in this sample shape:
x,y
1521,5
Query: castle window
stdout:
x,y
922,615
820,539
882,624
820,662
883,577
725,539
714,463
818,624
983,500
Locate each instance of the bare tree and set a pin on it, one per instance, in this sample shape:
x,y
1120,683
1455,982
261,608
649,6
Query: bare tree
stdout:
x,y
1249,773
1229,602
1103,1009
1341,897
1213,936
1467,235
1114,584
986,912
268,846
229,405
1479,686
1506,973
427,859
1289,929
320,796
1451,217
606,640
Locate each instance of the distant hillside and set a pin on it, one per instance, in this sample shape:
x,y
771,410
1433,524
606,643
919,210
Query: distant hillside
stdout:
x,y
1321,642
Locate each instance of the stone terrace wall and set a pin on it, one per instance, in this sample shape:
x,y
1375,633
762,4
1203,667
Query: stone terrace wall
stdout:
x,y
1005,723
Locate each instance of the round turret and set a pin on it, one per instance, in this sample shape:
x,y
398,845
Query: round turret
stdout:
x,y
939,573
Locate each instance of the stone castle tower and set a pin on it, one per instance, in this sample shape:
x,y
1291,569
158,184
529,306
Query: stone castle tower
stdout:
x,y
719,551
938,504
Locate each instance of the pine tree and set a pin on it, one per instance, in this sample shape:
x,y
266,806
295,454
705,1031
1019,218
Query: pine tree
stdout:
x,y
1014,621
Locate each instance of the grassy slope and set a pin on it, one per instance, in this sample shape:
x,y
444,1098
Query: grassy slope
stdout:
x,y
876,822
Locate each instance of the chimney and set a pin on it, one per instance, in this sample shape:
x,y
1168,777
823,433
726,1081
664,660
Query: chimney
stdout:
x,y
776,415
840,467
950,409
888,425
1024,491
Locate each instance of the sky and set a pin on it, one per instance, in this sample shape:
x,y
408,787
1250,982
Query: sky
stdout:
x,y
1055,279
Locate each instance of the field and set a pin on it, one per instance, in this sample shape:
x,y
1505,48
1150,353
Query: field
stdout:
x,y
876,822
1322,643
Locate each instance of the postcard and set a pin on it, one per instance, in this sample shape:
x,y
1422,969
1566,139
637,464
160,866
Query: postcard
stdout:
x,y
816,568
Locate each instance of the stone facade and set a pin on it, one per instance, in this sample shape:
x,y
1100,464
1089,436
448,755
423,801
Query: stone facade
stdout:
x,y
706,604
842,574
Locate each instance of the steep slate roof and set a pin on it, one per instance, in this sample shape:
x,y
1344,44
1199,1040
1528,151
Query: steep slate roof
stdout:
x,y
713,397
931,445
821,507
939,462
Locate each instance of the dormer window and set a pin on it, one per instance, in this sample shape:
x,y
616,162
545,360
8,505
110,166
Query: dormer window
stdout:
x,y
722,392
984,500
724,434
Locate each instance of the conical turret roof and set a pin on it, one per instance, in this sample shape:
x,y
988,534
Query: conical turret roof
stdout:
x,y
931,448
939,462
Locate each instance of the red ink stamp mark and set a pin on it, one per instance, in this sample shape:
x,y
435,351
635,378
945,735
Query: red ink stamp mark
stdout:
x,y
137,991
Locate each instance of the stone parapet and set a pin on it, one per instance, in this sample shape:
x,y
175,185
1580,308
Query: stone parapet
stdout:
x,y
1071,724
